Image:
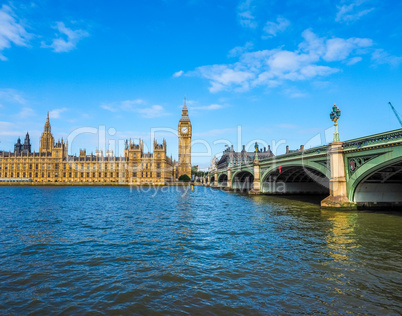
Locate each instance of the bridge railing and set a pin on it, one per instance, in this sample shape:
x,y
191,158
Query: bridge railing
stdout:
x,y
314,150
386,137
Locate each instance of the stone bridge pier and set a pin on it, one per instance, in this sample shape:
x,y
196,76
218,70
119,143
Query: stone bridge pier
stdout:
x,y
257,176
338,197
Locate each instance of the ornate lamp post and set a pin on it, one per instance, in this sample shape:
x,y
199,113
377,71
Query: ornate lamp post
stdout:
x,y
256,151
338,195
335,115
256,166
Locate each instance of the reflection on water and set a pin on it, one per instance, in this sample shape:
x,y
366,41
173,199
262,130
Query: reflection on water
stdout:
x,y
340,237
116,251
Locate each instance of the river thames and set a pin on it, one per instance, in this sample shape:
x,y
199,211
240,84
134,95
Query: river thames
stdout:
x,y
112,250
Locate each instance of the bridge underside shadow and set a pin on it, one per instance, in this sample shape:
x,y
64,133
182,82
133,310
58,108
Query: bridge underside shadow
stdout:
x,y
222,180
382,187
296,180
243,181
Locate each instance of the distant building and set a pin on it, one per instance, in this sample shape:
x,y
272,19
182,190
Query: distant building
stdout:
x,y
289,151
212,167
243,157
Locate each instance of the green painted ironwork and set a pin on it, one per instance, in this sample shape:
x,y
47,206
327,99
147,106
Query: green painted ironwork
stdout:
x,y
369,153
388,157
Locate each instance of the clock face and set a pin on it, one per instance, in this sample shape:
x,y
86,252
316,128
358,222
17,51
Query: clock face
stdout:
x,y
184,129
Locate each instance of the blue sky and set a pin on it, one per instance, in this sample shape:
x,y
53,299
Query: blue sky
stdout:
x,y
274,68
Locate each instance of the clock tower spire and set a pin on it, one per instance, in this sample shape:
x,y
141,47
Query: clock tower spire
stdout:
x,y
185,132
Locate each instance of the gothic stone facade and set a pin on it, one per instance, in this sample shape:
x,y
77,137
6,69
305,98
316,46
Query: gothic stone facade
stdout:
x,y
53,164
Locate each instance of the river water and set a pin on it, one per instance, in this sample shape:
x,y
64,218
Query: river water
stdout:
x,y
121,251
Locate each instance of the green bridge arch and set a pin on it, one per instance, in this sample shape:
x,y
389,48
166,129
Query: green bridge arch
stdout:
x,y
302,164
367,169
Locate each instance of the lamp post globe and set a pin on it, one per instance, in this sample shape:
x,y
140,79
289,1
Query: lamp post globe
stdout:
x,y
335,115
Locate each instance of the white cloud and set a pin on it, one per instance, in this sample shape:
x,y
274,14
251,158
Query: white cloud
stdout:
x,y
56,113
247,19
130,105
109,108
352,12
67,40
8,129
188,102
239,50
152,112
26,112
178,74
339,48
11,30
11,95
273,67
271,29
222,76
245,14
126,105
294,93
136,106
380,56
353,61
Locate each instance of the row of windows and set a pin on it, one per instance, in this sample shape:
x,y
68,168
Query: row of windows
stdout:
x,y
30,166
72,166
80,174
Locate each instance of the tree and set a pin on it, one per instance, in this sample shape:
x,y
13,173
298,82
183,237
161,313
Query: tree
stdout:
x,y
184,178
198,173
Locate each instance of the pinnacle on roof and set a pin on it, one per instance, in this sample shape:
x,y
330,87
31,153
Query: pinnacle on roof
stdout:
x,y
185,105
184,112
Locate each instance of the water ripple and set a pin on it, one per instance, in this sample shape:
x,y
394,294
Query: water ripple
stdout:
x,y
103,251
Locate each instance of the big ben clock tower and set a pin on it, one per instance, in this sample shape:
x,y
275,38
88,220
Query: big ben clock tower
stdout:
x,y
185,132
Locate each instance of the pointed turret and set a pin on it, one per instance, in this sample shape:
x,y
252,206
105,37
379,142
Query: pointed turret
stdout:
x,y
184,112
46,140
27,145
47,128
18,147
185,104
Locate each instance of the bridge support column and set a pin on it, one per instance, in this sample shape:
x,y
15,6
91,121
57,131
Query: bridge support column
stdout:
x,y
337,184
257,183
229,180
215,184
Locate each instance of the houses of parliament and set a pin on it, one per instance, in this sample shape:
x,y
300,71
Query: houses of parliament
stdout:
x,y
53,163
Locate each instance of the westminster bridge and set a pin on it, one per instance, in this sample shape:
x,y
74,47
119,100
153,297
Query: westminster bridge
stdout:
x,y
366,170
